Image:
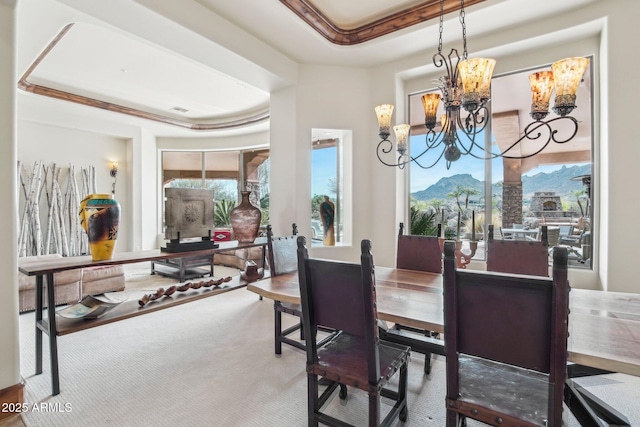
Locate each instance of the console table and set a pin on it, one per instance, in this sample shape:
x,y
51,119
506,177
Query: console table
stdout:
x,y
54,326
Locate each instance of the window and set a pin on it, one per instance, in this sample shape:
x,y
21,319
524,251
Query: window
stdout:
x,y
330,149
551,188
222,172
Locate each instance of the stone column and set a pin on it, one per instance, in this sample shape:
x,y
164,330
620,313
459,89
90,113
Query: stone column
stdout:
x,y
511,203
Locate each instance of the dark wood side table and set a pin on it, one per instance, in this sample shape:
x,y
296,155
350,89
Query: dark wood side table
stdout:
x,y
47,268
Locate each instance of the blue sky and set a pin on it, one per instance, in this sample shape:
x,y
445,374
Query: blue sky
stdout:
x,y
324,168
323,163
423,178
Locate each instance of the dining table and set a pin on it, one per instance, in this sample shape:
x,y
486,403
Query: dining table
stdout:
x,y
604,327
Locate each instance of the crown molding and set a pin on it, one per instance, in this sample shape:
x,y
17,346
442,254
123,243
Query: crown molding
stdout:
x,y
346,37
25,85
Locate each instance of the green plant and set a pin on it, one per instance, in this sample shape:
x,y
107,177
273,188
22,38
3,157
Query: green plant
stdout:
x,y
265,216
422,223
222,215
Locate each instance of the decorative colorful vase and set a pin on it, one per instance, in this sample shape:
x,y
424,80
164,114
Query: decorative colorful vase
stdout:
x,y
245,220
100,218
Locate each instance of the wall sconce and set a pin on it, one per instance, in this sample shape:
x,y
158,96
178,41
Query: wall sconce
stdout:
x,y
114,173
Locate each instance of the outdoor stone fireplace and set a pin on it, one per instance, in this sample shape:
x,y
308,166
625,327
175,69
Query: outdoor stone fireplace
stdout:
x,y
546,204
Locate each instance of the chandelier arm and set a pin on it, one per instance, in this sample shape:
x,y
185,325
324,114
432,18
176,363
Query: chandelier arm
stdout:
x,y
387,149
433,140
417,162
575,128
470,134
532,133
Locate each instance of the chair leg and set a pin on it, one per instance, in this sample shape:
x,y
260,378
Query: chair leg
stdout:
x,y
301,330
277,329
454,419
312,400
427,363
343,391
402,391
374,409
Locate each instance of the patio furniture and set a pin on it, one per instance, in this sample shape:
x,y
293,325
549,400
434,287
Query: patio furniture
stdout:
x,y
518,256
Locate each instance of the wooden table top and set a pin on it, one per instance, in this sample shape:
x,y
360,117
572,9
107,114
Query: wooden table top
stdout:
x,y
34,267
604,327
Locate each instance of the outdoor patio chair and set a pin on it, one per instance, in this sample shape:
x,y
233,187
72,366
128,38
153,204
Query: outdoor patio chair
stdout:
x,y
518,256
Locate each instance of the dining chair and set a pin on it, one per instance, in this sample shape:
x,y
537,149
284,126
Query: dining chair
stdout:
x,y
281,254
506,340
518,256
282,258
420,253
341,296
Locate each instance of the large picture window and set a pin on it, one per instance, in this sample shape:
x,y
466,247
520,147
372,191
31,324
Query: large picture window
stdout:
x,y
551,188
225,172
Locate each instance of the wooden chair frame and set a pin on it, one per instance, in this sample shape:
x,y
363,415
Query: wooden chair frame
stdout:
x,y
422,253
341,296
524,324
281,263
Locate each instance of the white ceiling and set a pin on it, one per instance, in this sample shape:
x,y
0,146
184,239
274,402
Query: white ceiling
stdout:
x,y
97,61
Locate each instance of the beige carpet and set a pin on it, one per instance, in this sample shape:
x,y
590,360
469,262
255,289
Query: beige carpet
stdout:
x,y
211,363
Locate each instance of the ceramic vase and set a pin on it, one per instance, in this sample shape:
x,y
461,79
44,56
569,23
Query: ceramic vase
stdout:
x,y
100,218
327,213
252,272
245,220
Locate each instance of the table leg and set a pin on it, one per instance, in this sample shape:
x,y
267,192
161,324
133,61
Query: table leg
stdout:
x,y
589,410
39,309
53,335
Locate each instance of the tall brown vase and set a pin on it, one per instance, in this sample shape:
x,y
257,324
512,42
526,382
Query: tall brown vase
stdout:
x,y
245,220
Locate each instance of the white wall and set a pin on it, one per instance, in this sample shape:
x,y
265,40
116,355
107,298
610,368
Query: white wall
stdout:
x,y
9,350
621,152
325,98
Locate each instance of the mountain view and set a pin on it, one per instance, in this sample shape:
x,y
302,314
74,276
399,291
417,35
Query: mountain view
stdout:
x,y
558,181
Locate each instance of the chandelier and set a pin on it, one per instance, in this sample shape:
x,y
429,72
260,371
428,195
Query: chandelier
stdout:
x,y
465,91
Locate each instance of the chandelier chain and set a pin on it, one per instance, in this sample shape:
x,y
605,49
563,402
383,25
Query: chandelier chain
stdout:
x,y
464,30
441,20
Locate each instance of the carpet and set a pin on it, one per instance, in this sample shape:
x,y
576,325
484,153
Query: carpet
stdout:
x,y
211,363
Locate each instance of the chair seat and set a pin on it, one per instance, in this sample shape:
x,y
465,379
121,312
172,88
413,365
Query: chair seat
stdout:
x,y
342,358
507,389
